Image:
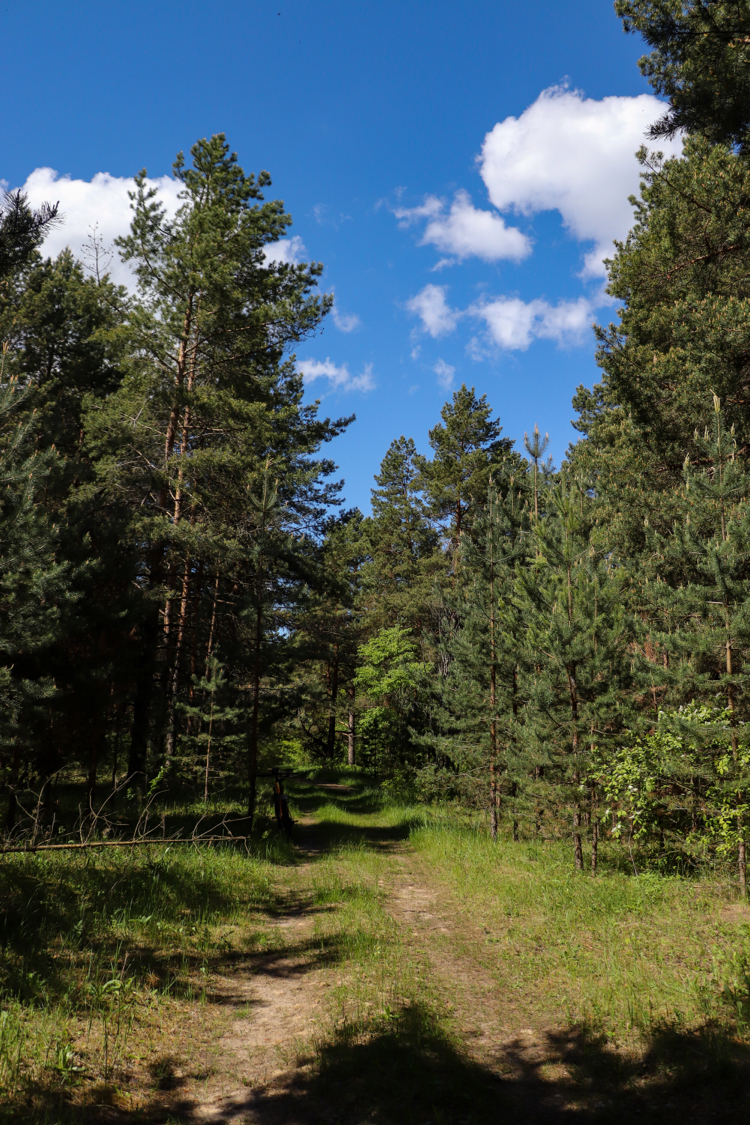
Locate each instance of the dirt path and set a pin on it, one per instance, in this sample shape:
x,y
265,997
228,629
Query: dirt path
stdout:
x,y
275,1059
275,1002
495,1032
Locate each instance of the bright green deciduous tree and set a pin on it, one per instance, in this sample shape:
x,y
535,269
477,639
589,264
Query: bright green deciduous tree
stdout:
x,y
388,677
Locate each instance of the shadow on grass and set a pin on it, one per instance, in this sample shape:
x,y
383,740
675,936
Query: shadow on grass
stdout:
x,y
90,906
405,1070
324,835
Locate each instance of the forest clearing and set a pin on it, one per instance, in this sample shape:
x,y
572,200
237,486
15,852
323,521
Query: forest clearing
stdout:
x,y
393,965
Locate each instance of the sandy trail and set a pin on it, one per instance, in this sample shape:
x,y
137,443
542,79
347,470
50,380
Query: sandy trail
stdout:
x,y
277,1000
274,1004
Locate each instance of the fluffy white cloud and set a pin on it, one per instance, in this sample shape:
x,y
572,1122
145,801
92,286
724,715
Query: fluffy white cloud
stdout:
x,y
430,305
466,232
509,321
345,322
340,378
102,202
444,373
574,155
287,251
512,324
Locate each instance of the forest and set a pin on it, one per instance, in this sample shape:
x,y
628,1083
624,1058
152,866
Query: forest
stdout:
x,y
186,598
556,656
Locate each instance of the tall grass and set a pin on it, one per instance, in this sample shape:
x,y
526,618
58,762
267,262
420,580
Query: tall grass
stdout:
x,y
626,954
91,942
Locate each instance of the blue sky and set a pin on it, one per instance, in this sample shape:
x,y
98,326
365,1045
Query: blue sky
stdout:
x,y
460,169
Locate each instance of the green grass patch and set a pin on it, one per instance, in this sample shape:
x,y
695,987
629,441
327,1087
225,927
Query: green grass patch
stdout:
x,y
95,945
626,955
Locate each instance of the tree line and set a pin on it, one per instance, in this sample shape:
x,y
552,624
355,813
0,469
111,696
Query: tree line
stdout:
x,y
184,598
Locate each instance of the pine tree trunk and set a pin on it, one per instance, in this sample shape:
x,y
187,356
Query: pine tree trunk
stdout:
x,y
144,688
493,801
334,691
93,763
196,599
212,627
116,756
594,820
514,794
208,750
577,842
253,755
573,688
10,816
139,729
494,794
350,729
175,679
742,867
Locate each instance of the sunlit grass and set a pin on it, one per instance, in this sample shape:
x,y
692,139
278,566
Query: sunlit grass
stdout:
x,y
623,953
102,951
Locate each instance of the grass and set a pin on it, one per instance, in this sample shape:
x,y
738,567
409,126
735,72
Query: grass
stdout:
x,y
624,955
512,989
100,949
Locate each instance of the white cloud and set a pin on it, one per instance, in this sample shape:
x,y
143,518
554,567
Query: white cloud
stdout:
x,y
102,201
345,322
509,322
340,378
567,323
431,208
512,323
286,252
466,232
574,155
444,373
430,305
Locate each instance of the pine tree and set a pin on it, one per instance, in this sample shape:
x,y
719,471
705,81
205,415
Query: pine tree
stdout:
x,y
398,578
682,280
329,633
699,61
467,451
209,402
208,717
701,610
33,594
536,447
576,669
477,704
21,232
66,348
